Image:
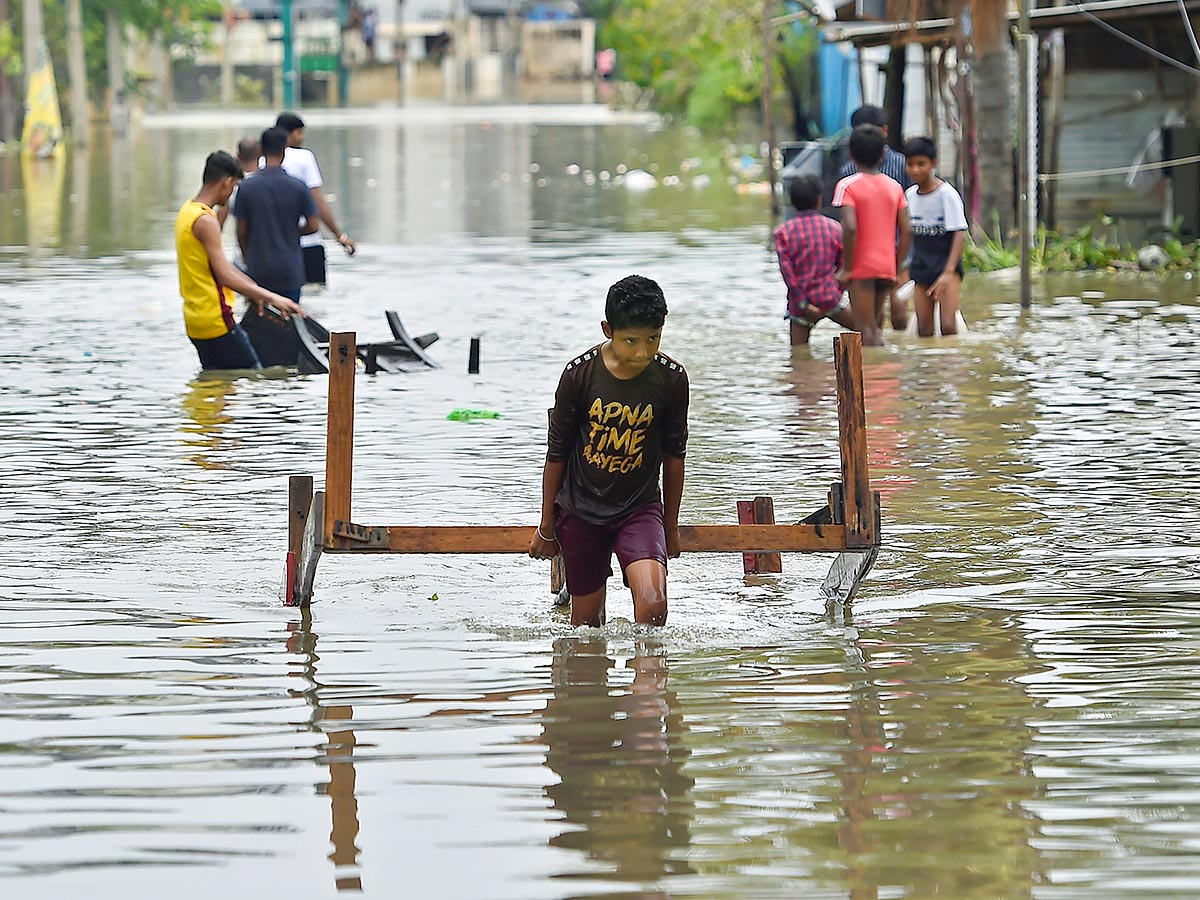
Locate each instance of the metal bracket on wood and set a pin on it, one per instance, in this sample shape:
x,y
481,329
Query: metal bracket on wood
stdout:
x,y
367,535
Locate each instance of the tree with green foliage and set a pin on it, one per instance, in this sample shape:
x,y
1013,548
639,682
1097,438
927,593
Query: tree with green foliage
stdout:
x,y
179,23
703,60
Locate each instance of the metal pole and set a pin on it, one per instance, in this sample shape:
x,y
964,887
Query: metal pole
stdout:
x,y
767,107
77,72
1025,153
290,77
343,76
116,71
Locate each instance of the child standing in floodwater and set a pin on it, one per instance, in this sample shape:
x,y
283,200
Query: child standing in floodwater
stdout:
x,y
939,226
809,247
620,415
874,211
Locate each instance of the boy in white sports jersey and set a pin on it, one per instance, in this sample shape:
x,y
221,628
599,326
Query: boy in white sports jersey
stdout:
x,y
939,230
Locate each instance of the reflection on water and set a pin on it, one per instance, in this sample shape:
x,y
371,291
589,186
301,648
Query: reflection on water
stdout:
x,y
338,751
1008,709
615,744
204,404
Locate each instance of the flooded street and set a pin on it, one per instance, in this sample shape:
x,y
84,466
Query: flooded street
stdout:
x,y
1010,708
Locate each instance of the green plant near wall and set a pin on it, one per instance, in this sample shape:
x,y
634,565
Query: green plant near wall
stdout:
x,y
1088,247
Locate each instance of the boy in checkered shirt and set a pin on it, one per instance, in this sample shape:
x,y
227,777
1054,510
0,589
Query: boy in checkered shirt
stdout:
x,y
809,246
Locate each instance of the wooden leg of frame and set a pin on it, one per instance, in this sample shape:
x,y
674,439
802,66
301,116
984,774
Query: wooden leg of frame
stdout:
x,y
300,492
759,511
764,514
558,581
850,568
311,544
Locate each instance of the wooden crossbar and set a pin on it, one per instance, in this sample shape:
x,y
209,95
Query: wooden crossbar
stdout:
x,y
515,538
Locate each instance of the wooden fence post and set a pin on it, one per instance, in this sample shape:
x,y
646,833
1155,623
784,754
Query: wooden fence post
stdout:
x,y
858,500
339,435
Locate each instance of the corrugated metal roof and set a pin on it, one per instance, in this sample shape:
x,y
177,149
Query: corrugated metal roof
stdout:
x,y
868,33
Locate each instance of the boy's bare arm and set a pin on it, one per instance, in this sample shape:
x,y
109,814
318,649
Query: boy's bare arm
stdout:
x,y
849,240
905,225
672,498
325,214
552,479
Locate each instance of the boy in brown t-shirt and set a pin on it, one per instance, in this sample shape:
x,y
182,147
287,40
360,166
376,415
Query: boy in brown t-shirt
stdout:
x,y
620,414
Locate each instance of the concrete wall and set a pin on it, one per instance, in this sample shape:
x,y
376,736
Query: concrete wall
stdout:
x,y
559,49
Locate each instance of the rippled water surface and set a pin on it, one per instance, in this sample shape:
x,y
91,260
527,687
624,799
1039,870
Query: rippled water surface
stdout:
x,y
1008,710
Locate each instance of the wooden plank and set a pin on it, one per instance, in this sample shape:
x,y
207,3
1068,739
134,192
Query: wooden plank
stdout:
x,y
764,514
858,501
339,433
558,574
468,539
300,492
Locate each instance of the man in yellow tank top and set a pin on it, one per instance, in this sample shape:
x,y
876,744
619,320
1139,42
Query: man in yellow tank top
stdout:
x,y
207,279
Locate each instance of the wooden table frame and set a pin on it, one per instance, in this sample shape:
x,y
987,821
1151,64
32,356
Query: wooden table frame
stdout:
x,y
848,525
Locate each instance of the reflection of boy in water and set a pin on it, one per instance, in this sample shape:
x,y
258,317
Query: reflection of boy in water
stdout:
x,y
618,756
620,414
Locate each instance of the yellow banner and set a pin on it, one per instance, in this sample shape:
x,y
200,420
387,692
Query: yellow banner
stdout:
x,y
43,121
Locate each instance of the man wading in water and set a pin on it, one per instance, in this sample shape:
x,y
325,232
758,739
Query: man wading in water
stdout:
x,y
206,276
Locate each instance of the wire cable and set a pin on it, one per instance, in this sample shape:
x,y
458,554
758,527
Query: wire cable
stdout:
x,y
1130,39
1120,170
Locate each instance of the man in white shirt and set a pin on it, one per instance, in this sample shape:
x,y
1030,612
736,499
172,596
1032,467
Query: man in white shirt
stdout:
x,y
300,162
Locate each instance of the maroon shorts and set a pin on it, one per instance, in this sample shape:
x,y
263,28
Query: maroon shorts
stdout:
x,y
587,549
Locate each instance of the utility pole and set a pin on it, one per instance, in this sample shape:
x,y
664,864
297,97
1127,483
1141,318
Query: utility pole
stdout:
x,y
227,19
1026,151
290,76
768,112
115,51
343,76
31,36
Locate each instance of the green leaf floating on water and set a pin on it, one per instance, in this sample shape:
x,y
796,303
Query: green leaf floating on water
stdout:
x,y
463,414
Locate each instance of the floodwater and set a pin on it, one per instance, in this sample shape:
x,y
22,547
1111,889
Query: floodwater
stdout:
x,y
1010,709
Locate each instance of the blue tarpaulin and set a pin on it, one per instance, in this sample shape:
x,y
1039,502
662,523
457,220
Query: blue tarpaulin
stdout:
x,y
840,90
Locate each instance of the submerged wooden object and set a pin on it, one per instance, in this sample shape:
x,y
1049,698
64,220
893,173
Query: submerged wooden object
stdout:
x,y
848,524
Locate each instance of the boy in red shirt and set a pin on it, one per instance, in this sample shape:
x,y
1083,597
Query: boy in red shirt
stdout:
x,y
873,212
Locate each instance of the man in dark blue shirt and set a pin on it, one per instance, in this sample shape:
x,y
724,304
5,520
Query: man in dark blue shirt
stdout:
x,y
893,165
270,208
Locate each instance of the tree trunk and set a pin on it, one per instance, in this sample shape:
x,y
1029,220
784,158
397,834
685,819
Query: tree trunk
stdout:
x,y
8,117
893,95
160,55
115,50
77,71
992,85
227,57
31,37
